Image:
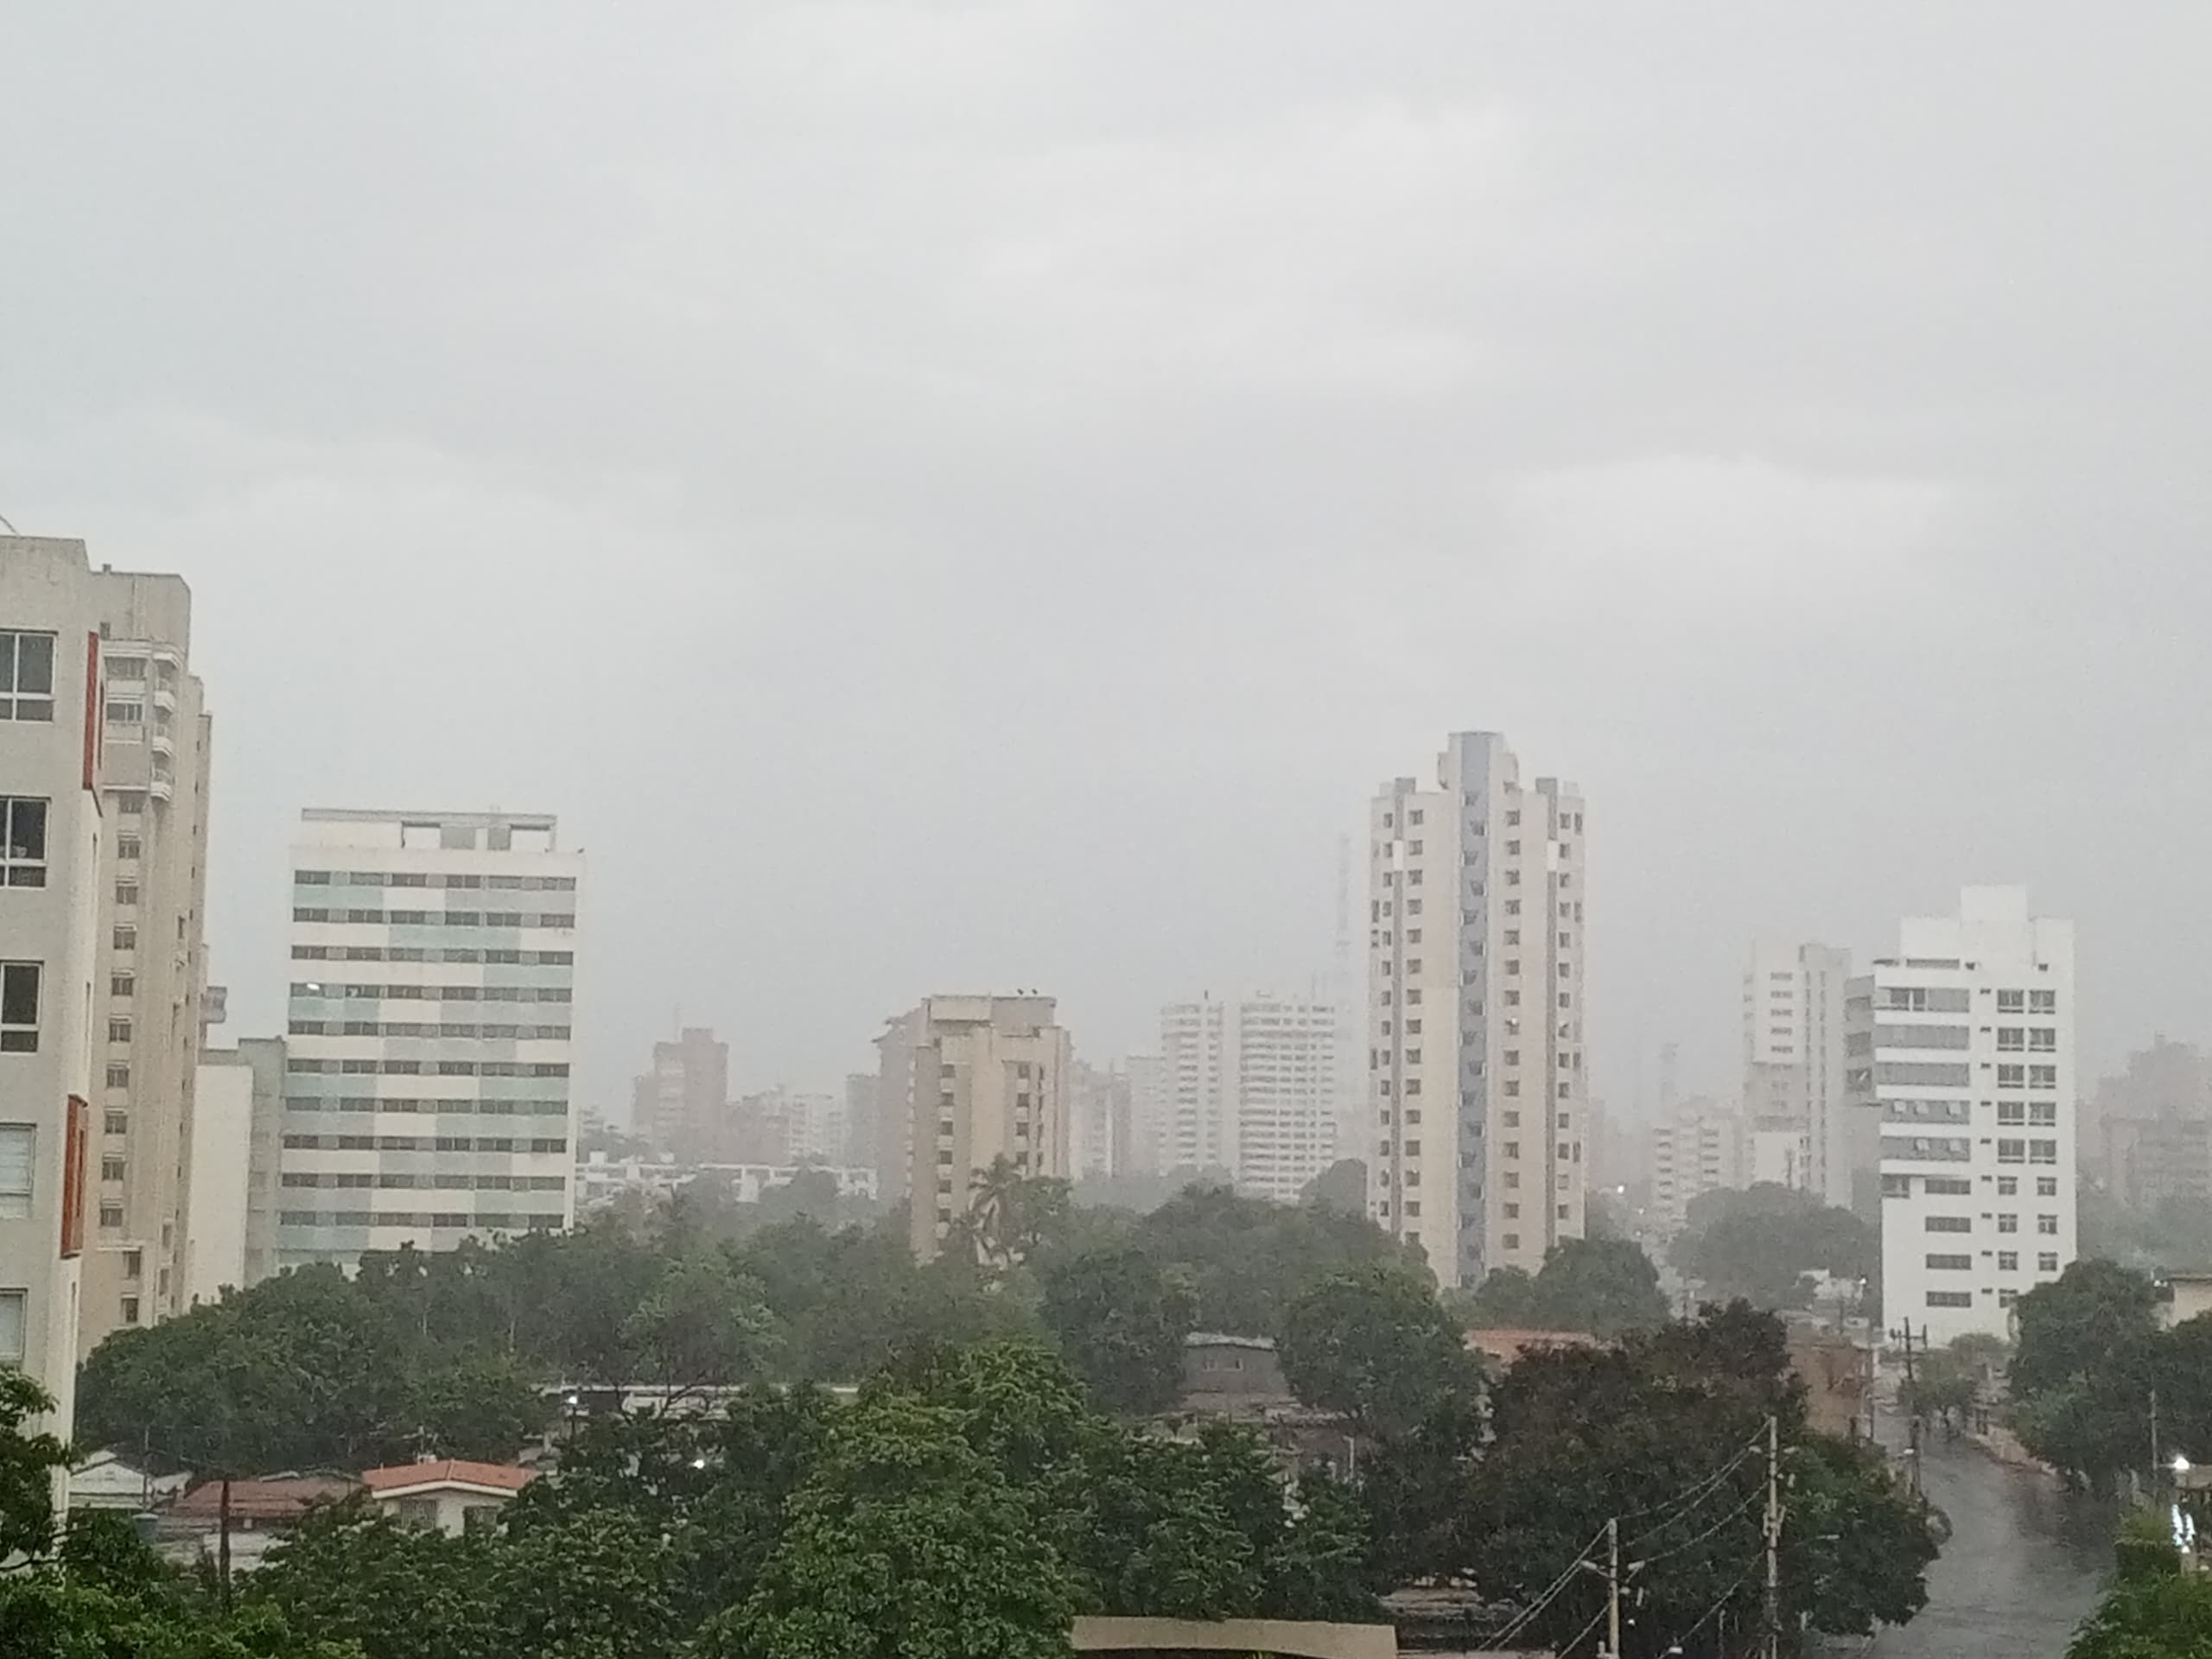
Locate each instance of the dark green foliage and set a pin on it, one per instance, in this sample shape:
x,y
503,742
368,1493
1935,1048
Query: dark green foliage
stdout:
x,y
1584,1434
1764,1243
2162,1617
1120,1320
1374,1344
1342,1185
2144,1547
1600,1286
2089,1354
1247,1259
28,1460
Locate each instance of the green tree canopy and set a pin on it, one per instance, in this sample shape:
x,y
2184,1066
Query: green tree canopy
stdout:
x,y
28,1460
1120,1318
1764,1243
1375,1345
1601,1285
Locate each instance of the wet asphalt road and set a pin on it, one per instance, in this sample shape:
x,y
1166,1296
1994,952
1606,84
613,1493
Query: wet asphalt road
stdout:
x,y
2025,1563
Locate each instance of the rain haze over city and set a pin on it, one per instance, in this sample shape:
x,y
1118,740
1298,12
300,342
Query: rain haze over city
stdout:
x,y
1316,736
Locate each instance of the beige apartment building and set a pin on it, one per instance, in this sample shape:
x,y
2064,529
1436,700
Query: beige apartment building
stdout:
x,y
154,782
1477,1085
966,1080
103,749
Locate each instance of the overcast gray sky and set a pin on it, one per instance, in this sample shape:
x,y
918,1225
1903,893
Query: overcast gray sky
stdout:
x,y
947,496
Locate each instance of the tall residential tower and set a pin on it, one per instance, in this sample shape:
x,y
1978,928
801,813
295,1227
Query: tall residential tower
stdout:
x,y
1475,1011
968,1080
1794,1099
1252,1089
1962,1064
427,1057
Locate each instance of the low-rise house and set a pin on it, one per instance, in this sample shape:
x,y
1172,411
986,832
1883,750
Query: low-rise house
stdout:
x,y
450,1494
2184,1297
105,1481
262,1511
1231,1374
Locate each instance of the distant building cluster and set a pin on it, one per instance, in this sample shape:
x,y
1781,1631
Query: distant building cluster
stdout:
x,y
423,1092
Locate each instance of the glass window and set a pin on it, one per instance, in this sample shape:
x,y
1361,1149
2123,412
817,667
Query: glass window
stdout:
x,y
16,1143
12,1327
19,1008
26,676
22,841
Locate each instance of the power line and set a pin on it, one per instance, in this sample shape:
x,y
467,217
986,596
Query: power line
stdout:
x,y
1682,1641
1678,1549
1520,1621
1679,1504
1581,1633
1748,1447
1690,1501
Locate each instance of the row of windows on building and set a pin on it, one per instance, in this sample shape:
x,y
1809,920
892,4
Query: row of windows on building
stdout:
x,y
437,993
428,1068
426,879
2007,1222
459,1106
492,1221
433,1180
423,1143
1955,999
400,1029
415,953
562,918
1960,1186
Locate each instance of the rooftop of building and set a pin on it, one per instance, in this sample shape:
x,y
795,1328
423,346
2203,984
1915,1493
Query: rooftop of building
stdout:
x,y
279,1497
428,819
437,1472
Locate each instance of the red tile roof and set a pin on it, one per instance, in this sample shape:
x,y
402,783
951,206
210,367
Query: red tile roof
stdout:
x,y
1506,1344
284,1498
446,1472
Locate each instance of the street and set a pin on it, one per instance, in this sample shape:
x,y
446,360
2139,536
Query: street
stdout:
x,y
2025,1563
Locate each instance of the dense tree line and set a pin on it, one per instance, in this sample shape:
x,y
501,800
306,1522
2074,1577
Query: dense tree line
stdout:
x,y
2091,1353
1601,1286
452,1351
1766,1242
1005,1459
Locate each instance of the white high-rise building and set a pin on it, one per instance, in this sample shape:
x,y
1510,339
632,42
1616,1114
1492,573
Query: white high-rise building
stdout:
x,y
1962,1061
1794,1099
1700,1146
1148,1125
1252,1089
428,1053
1475,1012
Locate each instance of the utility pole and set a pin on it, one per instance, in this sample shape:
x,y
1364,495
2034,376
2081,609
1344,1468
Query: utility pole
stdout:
x,y
1772,1646
1612,1589
2157,1467
1912,1414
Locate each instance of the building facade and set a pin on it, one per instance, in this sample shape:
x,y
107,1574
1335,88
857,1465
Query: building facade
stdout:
x,y
1699,1146
429,1040
1252,1090
222,1170
154,770
1795,1103
56,869
681,1105
1475,1012
974,1079
1961,1063
2147,1132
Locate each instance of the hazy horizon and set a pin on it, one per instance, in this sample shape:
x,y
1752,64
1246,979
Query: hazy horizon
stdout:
x,y
968,496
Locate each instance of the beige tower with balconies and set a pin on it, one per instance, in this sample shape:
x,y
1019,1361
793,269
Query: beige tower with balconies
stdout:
x,y
967,1080
1478,1088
